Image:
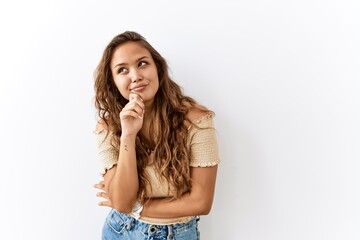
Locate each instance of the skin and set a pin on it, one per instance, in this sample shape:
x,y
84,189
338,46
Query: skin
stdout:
x,y
135,75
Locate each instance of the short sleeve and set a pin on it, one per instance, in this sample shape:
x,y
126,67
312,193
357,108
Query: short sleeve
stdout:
x,y
203,143
107,154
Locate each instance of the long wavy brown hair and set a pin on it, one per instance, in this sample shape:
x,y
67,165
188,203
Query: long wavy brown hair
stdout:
x,y
169,142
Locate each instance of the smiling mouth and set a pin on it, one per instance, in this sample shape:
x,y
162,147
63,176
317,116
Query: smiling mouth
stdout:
x,y
139,88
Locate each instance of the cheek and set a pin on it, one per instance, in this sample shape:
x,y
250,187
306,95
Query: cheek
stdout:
x,y
122,86
155,76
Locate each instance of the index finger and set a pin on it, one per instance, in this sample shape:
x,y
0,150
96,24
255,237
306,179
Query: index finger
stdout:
x,y
134,95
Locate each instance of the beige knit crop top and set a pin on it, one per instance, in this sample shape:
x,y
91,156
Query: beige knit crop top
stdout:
x,y
203,152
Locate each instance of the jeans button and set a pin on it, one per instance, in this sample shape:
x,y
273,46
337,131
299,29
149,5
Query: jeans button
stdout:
x,y
152,229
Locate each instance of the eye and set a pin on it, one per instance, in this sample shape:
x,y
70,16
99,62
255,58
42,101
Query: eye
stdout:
x,y
142,63
122,70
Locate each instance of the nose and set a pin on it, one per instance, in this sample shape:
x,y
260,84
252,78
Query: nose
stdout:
x,y
135,77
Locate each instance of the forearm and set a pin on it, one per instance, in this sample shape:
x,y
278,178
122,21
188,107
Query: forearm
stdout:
x,y
196,202
124,185
187,205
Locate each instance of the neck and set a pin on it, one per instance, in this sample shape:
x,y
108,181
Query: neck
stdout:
x,y
148,116
149,106
146,136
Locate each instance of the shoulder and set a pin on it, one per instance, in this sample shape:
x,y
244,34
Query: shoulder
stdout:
x,y
101,126
196,114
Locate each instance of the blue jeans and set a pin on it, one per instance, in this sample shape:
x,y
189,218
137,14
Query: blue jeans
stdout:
x,y
122,226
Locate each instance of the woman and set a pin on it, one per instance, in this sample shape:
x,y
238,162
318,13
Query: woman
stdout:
x,y
157,147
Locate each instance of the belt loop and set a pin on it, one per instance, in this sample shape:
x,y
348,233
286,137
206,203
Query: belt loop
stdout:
x,y
129,224
170,233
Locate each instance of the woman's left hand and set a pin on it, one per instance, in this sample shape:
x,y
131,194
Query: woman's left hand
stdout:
x,y
103,194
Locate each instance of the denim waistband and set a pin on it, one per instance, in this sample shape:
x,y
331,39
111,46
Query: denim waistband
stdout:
x,y
150,229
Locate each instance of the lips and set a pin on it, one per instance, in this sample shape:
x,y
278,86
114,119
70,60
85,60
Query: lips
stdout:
x,y
138,87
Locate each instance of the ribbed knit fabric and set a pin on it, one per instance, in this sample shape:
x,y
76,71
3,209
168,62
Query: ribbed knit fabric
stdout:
x,y
203,142
107,154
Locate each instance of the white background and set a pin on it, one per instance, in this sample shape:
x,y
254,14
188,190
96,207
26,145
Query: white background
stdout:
x,y
282,76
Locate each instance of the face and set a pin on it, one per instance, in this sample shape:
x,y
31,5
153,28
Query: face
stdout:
x,y
134,71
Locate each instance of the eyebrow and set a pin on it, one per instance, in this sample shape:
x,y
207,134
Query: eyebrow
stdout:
x,y
121,64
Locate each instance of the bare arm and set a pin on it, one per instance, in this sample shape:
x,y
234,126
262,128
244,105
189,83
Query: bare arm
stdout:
x,y
121,182
197,202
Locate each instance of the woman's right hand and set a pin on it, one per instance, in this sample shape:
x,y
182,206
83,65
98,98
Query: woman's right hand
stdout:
x,y
131,116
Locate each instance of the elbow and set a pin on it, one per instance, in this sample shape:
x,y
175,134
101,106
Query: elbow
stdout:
x,y
121,204
122,208
202,202
204,207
